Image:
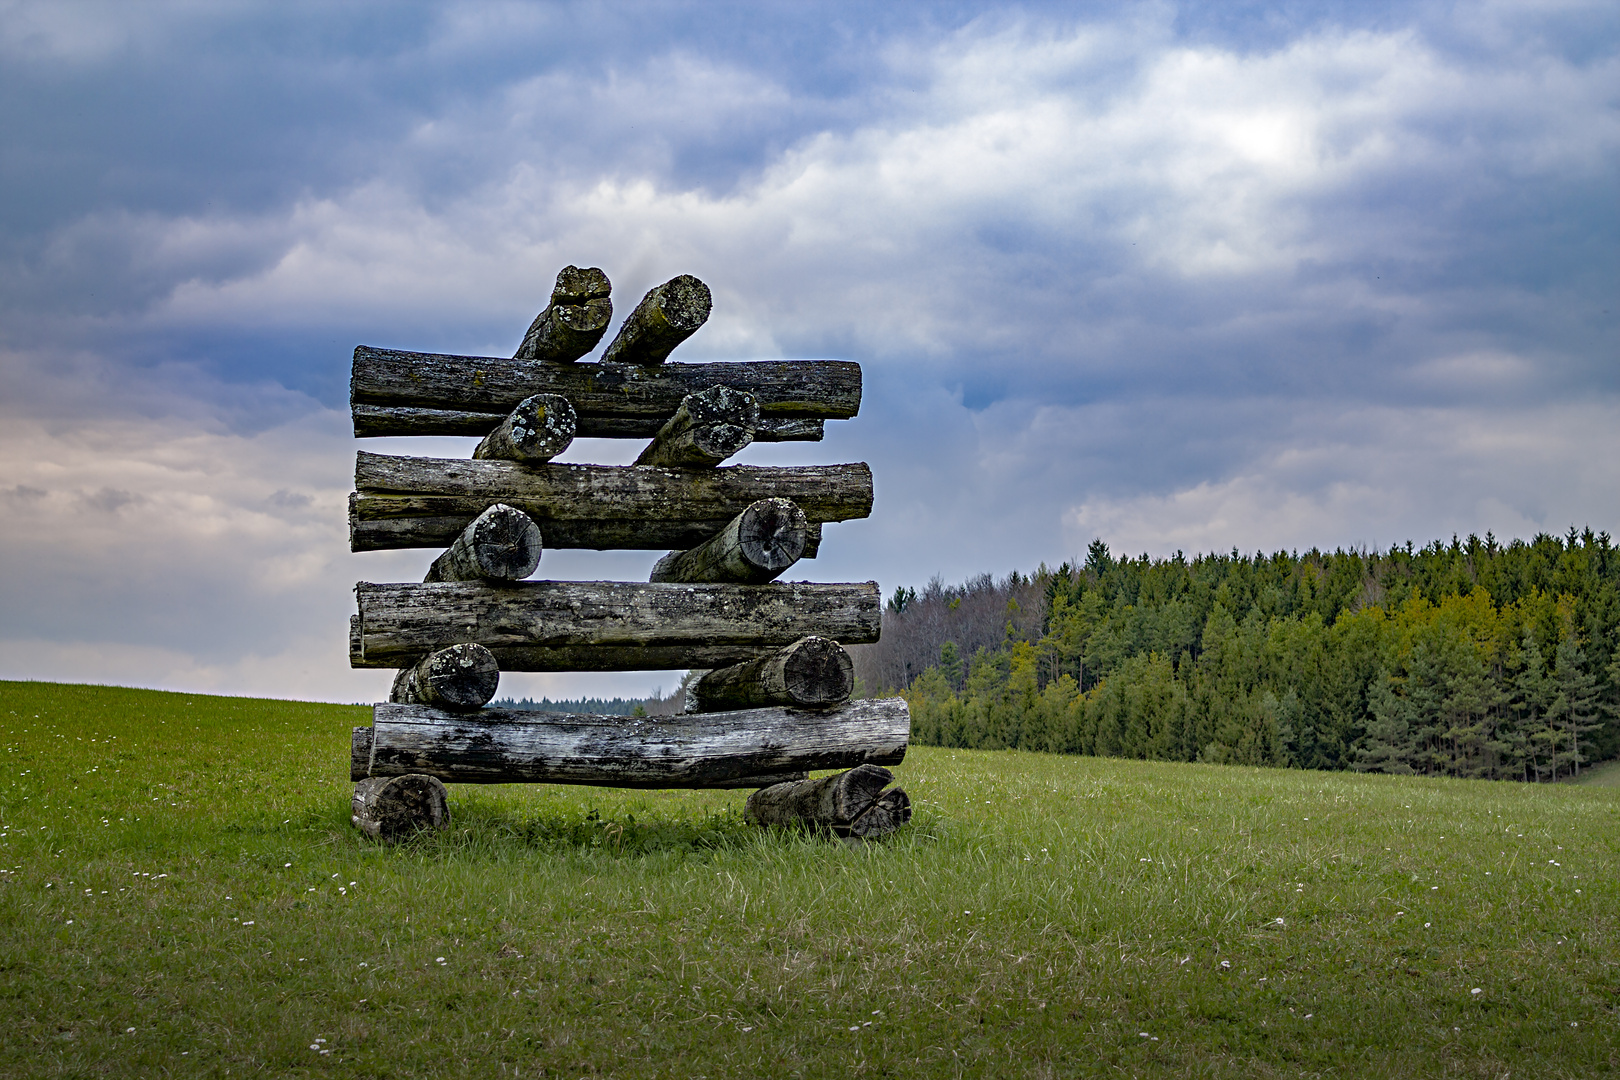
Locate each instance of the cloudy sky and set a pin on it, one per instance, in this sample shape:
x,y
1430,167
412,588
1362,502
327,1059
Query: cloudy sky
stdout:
x,y
1179,276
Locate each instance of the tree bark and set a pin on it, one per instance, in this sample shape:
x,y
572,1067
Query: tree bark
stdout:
x,y
459,678
505,746
626,622
502,544
393,807
540,428
408,393
710,426
425,502
811,673
756,546
849,804
574,321
666,316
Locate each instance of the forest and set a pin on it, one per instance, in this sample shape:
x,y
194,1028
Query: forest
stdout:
x,y
1470,659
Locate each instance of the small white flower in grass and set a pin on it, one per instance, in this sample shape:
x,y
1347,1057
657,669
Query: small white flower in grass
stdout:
x,y
131,1031
1281,923
1226,963
747,1029
1572,1023
285,865
855,1027
441,960
1426,925
1476,990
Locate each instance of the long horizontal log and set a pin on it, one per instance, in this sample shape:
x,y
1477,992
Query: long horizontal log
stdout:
x,y
811,673
503,746
400,623
458,678
849,804
425,502
756,546
709,427
501,544
574,321
668,315
409,393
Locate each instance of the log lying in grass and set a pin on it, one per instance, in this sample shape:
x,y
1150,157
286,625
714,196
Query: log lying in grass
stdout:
x,y
461,677
608,625
811,673
849,804
540,428
409,393
393,807
755,546
574,321
710,426
504,746
502,544
426,502
668,315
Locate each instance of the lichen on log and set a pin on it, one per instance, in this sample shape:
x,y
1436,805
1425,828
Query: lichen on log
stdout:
x,y
668,315
460,677
541,427
570,326
501,544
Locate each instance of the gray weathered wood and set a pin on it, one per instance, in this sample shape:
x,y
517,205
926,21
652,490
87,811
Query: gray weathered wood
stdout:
x,y
710,426
393,807
538,625
409,393
574,321
501,544
668,315
499,746
540,428
849,804
426,502
460,677
812,673
755,546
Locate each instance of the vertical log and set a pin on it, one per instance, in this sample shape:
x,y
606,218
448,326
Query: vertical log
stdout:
x,y
709,427
755,546
852,803
393,807
574,321
540,428
666,316
460,678
501,544
812,673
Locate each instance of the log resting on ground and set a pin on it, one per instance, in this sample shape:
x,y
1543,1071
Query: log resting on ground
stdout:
x,y
849,804
502,544
668,315
393,807
710,426
630,626
458,678
540,428
812,673
574,321
426,502
503,746
409,393
756,546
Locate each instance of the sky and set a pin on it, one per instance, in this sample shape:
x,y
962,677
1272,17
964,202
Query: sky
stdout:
x,y
1178,276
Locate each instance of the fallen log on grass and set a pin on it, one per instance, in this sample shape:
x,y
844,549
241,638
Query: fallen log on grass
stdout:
x,y
393,807
574,321
848,804
732,749
540,428
811,673
502,544
710,426
756,546
461,677
668,315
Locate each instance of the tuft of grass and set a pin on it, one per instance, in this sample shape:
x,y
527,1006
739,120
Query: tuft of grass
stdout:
x,y
183,894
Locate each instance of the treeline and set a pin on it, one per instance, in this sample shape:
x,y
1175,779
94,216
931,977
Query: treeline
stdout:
x,y
656,705
1472,658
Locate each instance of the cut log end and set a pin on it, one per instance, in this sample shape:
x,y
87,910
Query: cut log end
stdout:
x,y
460,678
579,286
812,673
502,544
756,546
666,316
709,427
541,427
393,807
574,321
847,804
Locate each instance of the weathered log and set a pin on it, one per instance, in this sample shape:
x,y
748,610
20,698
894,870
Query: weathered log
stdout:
x,y
502,544
755,546
540,428
629,626
710,426
849,804
668,315
811,673
393,807
574,321
425,502
461,677
409,393
504,746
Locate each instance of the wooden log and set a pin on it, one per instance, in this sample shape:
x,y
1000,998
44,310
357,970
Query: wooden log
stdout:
x,y
631,626
574,321
710,426
393,807
502,544
755,546
811,673
461,677
668,315
409,393
849,804
504,746
426,502
540,428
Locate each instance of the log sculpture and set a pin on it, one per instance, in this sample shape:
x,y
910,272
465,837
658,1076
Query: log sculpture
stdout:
x,y
755,546
574,321
459,678
710,426
812,673
393,807
540,428
849,804
666,316
501,544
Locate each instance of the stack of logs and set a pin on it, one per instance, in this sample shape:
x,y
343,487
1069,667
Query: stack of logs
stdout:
x,y
773,701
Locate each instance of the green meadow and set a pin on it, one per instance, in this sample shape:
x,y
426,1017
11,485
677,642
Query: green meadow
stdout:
x,y
183,895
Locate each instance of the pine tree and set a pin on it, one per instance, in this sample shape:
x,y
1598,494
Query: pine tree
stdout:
x,y
1574,710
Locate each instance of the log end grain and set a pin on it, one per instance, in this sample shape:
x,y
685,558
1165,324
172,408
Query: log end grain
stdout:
x,y
541,427
391,808
666,316
502,544
850,804
460,678
771,535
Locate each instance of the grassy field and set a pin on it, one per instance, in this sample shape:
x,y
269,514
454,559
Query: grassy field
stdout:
x,y
183,895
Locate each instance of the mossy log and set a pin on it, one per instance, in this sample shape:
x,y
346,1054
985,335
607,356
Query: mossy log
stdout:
x,y
540,428
501,544
812,673
394,807
850,804
460,677
574,321
668,315
709,427
756,546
